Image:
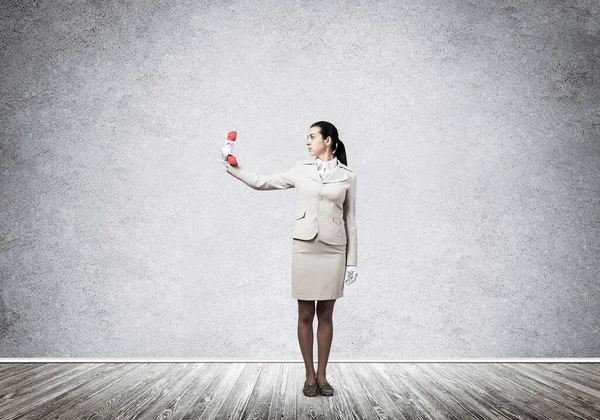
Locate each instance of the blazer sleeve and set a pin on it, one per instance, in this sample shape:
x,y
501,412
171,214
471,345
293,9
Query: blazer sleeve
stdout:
x,y
279,181
350,219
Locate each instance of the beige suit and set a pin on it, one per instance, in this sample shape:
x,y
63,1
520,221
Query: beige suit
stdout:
x,y
327,208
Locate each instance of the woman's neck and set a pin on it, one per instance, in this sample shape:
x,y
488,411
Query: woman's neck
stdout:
x,y
326,158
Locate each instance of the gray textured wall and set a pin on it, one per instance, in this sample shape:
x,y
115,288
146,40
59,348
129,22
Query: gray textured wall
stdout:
x,y
474,128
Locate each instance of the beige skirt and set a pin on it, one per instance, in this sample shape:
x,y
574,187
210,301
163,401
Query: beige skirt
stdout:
x,y
318,270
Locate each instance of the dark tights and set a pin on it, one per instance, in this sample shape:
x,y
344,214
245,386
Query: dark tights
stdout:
x,y
306,315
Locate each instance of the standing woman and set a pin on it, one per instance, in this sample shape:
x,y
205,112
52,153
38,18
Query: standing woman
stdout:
x,y
324,248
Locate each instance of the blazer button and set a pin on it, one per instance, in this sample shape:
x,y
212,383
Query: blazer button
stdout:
x,y
320,214
320,198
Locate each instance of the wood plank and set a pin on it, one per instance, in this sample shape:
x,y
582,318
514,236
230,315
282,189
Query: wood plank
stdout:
x,y
70,397
283,403
498,389
322,406
16,369
592,367
235,403
403,397
569,383
487,393
206,375
139,404
455,406
455,386
342,403
583,375
377,396
32,376
168,396
306,407
36,374
6,366
211,399
108,401
555,392
260,399
29,397
327,412
180,391
429,404
362,405
134,399
179,399
535,394
294,386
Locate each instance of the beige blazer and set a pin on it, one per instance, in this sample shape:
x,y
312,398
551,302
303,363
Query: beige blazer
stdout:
x,y
326,207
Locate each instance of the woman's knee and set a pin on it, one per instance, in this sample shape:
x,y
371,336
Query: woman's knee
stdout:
x,y
306,311
306,317
325,310
325,317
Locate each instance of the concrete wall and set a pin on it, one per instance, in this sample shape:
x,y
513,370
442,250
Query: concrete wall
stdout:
x,y
473,126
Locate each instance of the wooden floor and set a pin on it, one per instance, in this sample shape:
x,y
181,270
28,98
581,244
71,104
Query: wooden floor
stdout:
x,y
161,390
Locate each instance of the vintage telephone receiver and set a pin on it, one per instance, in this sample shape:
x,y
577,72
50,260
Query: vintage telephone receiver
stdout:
x,y
231,136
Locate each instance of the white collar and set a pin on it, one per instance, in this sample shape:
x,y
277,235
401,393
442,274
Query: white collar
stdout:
x,y
330,164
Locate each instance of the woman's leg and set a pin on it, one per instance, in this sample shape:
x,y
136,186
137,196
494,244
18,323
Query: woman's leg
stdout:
x,y
324,336
306,315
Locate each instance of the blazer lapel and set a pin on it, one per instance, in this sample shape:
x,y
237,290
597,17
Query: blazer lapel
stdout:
x,y
313,173
338,174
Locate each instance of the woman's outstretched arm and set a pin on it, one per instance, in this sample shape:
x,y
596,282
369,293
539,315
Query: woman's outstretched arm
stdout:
x,y
279,181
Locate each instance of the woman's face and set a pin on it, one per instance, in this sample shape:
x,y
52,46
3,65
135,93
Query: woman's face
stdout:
x,y
317,146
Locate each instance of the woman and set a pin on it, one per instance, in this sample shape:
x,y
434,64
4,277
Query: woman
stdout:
x,y
324,249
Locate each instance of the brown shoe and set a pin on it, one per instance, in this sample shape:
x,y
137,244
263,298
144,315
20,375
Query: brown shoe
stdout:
x,y
310,389
325,389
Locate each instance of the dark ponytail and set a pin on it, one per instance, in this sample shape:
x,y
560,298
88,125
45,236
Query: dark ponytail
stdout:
x,y
338,148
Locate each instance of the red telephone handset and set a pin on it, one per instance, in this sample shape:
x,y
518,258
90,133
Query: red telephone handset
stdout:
x,y
231,136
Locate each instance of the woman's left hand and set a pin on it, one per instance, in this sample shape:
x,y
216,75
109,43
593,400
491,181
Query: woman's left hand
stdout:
x,y
351,274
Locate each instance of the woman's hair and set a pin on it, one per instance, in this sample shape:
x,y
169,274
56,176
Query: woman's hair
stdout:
x,y
328,129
